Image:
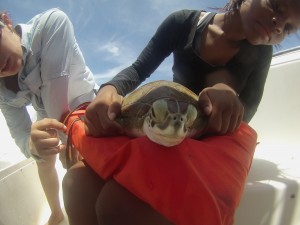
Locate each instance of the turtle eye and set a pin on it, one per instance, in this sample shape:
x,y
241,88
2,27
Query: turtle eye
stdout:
x,y
153,113
191,115
159,110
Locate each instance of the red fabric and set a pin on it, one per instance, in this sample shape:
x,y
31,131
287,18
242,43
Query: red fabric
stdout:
x,y
196,182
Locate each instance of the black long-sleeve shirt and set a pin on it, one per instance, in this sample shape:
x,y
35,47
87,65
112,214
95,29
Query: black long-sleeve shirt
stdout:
x,y
177,35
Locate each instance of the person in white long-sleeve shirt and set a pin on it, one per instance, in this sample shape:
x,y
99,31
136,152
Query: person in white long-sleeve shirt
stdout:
x,y
42,65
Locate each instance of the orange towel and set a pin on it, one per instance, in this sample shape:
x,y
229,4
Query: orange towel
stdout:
x,y
196,182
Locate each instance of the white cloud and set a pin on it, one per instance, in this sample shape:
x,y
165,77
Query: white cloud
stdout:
x,y
110,48
116,50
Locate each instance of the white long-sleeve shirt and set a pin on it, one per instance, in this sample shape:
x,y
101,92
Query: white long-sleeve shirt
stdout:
x,y
54,78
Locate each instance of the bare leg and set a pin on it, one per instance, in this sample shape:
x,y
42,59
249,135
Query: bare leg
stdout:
x,y
50,183
117,206
81,187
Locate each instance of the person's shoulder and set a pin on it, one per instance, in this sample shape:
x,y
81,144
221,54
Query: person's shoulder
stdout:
x,y
48,18
48,15
55,13
184,15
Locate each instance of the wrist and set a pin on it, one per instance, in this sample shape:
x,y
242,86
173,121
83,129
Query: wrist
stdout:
x,y
107,87
32,149
33,152
224,87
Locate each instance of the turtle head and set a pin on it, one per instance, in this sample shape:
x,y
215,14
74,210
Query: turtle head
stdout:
x,y
168,121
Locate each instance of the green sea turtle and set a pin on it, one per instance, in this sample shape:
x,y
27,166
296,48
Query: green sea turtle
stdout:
x,y
165,111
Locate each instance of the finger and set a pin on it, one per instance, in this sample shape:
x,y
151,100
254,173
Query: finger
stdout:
x,y
37,135
105,127
94,115
214,122
233,123
51,132
115,108
205,103
115,129
44,144
89,128
239,120
112,115
226,121
48,123
108,123
236,120
112,126
50,151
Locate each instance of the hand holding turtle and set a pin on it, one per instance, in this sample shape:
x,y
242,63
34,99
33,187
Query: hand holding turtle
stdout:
x,y
44,140
101,113
223,107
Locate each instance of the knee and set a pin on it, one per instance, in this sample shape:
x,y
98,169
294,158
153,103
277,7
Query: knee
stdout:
x,y
71,184
69,188
68,182
81,187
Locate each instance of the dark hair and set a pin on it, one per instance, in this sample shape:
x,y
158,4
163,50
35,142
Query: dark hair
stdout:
x,y
1,14
233,4
5,13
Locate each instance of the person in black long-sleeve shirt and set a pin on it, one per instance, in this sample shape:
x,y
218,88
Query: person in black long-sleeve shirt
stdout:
x,y
190,69
224,57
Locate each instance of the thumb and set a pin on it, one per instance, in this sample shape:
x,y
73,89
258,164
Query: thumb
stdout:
x,y
114,109
205,102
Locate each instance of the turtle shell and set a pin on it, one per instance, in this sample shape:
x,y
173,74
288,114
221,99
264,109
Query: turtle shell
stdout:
x,y
137,104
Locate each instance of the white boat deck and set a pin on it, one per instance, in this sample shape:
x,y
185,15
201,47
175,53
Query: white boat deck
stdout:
x,y
272,193
14,174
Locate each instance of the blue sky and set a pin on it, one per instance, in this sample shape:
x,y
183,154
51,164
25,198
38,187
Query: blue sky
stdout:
x,y
112,33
